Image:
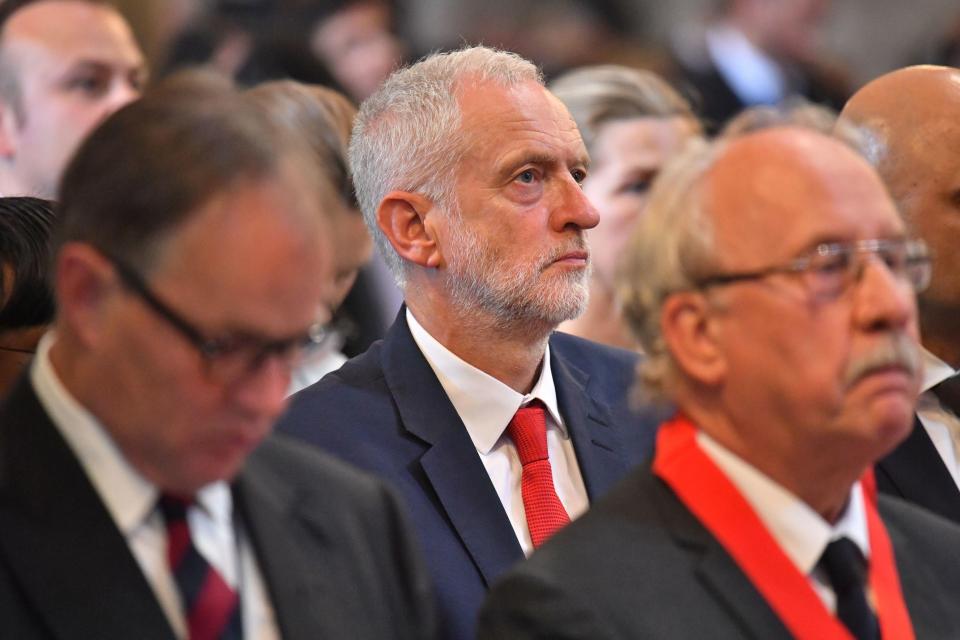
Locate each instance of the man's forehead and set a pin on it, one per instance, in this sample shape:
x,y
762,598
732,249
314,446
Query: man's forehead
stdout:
x,y
73,29
792,186
517,116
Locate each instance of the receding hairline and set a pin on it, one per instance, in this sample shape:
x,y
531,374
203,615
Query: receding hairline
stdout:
x,y
10,11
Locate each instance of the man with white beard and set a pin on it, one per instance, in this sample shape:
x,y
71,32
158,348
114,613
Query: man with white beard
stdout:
x,y
496,430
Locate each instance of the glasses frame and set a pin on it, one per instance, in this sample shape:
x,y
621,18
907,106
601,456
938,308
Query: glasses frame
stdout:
x,y
212,349
916,254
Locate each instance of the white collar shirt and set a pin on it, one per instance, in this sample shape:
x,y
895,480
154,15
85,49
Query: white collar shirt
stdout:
x,y
940,422
801,532
486,406
131,501
751,74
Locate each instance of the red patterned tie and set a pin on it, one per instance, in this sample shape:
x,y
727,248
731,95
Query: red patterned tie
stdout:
x,y
211,607
544,511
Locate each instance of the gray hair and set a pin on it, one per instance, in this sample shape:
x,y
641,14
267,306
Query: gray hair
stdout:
x,y
601,94
406,134
798,112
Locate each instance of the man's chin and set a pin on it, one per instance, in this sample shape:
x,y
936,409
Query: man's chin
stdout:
x,y
893,420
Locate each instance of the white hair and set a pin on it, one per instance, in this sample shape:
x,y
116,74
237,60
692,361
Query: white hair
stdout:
x,y
406,136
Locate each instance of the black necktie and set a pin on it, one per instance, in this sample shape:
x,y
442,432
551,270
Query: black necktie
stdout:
x,y
948,393
846,569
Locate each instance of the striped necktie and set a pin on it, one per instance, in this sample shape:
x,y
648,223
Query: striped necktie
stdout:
x,y
211,607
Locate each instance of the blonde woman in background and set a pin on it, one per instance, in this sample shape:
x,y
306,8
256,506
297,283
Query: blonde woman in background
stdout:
x,y
632,122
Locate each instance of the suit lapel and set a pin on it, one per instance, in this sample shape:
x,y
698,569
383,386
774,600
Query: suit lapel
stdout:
x,y
451,464
58,540
915,471
718,572
595,439
266,511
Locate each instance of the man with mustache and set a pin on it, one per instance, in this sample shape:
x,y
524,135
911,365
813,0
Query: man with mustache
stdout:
x,y
496,430
911,116
772,286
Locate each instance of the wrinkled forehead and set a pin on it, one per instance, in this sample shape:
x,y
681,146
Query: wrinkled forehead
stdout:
x,y
497,120
484,102
779,192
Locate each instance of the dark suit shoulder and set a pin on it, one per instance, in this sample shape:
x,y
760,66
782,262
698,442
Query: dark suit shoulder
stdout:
x,y
925,546
587,350
637,565
322,482
342,526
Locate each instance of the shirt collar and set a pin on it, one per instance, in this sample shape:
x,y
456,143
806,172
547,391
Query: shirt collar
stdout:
x,y
753,75
935,370
485,404
129,497
799,530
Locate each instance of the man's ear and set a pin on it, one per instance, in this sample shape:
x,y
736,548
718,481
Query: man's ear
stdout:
x,y
84,280
405,218
688,330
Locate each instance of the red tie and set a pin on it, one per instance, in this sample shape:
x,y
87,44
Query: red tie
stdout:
x,y
211,607
544,511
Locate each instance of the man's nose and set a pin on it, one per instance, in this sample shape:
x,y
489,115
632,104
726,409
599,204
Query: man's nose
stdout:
x,y
885,299
121,93
573,208
263,391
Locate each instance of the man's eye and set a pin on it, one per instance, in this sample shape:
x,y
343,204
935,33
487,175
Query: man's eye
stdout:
x,y
527,177
92,84
833,264
579,175
637,186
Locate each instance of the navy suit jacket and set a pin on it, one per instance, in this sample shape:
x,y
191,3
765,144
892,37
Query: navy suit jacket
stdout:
x,y
915,472
332,545
386,412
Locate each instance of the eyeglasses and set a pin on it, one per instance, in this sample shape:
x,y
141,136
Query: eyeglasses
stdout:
x,y
229,358
832,268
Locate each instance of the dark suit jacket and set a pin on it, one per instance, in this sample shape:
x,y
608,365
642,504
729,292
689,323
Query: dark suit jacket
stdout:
x,y
640,565
715,102
333,548
915,472
387,412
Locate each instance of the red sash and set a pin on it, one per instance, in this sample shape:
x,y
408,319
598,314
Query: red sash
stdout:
x,y
717,504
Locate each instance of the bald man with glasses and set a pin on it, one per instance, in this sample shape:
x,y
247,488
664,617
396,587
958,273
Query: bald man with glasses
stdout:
x,y
141,493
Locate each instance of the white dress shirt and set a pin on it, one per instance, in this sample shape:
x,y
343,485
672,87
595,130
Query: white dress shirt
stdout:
x,y
799,530
131,501
751,74
486,406
941,424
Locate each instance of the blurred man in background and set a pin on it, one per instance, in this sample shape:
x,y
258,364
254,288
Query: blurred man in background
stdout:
x,y
756,52
64,66
912,120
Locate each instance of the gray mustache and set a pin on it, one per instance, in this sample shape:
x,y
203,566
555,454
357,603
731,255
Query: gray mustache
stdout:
x,y
898,351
